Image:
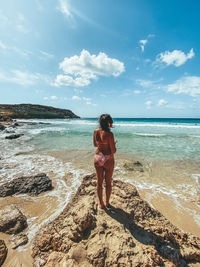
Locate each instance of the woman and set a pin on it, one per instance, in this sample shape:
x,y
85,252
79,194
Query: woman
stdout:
x,y
104,156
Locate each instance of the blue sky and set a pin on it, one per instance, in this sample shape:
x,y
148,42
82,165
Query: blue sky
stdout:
x,y
128,58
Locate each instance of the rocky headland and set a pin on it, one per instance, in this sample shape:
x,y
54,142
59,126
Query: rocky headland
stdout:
x,y
29,111
127,233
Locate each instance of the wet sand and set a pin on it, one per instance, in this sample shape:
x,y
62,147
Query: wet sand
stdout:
x,y
164,184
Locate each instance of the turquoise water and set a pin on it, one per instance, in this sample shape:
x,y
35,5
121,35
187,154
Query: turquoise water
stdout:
x,y
148,138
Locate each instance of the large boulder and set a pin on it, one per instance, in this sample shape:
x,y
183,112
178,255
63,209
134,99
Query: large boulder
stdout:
x,y
32,185
127,233
3,252
12,220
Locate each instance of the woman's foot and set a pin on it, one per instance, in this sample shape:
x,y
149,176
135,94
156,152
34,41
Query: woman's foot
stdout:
x,y
101,205
107,204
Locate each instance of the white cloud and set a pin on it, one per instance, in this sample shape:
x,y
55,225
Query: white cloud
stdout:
x,y
4,47
90,103
144,83
64,8
142,44
79,91
75,97
53,97
71,13
45,98
176,57
19,77
189,85
150,84
147,60
46,55
162,102
151,35
148,104
20,17
145,41
137,92
70,81
86,98
80,70
23,78
19,51
20,23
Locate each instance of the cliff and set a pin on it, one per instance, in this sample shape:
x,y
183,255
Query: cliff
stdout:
x,y
29,111
128,233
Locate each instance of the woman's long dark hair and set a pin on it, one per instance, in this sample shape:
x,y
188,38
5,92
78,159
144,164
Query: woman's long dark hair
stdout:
x,y
104,120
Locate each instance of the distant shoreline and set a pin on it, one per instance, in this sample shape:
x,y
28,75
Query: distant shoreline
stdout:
x,y
30,111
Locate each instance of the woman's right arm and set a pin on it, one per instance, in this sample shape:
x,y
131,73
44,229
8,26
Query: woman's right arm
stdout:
x,y
112,144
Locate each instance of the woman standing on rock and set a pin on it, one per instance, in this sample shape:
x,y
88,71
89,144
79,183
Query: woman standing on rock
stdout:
x,y
104,157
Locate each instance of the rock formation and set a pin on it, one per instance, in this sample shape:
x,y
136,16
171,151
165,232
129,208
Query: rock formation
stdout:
x,y
3,252
18,240
32,185
29,111
13,136
128,233
12,221
2,127
133,166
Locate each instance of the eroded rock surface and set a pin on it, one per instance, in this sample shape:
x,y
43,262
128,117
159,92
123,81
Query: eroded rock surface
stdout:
x,y
32,185
128,233
12,220
18,240
3,252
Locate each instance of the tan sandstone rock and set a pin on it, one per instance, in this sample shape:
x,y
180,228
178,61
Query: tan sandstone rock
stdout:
x,y
18,240
3,252
128,233
12,221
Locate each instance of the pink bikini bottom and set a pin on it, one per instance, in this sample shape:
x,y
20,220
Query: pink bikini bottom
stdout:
x,y
101,159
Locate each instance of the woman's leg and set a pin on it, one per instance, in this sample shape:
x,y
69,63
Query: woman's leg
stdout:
x,y
100,171
108,178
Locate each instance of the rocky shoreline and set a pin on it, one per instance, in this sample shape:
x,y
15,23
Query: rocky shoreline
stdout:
x,y
8,126
12,220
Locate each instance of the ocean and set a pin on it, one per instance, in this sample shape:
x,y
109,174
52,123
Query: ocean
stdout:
x,y
146,138
168,149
